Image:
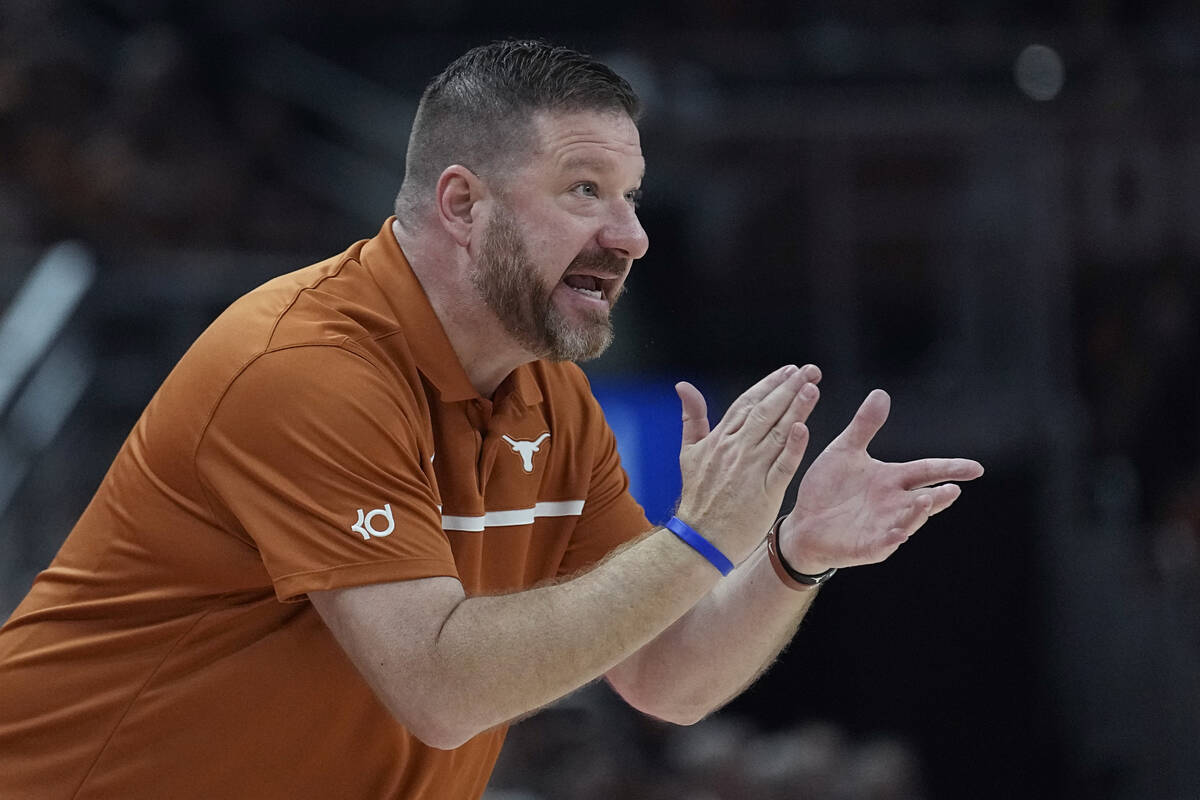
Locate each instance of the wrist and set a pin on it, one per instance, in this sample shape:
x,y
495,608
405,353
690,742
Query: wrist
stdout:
x,y
794,556
792,576
701,545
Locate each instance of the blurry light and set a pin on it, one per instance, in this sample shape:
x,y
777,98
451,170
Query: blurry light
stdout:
x,y
1039,72
42,307
55,389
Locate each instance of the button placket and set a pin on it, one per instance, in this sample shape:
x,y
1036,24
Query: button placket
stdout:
x,y
494,441
479,413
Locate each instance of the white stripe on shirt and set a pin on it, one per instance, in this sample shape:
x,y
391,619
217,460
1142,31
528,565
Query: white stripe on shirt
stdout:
x,y
518,516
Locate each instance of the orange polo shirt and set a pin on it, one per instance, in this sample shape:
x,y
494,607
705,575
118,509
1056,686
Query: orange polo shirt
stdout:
x,y
320,434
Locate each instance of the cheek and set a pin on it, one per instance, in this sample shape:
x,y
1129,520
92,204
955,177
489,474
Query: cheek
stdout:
x,y
554,255
554,239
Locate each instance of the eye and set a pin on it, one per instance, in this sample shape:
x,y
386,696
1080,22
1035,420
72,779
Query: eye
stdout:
x,y
634,197
587,189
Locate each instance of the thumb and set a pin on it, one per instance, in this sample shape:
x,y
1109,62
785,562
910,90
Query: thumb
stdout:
x,y
867,421
695,413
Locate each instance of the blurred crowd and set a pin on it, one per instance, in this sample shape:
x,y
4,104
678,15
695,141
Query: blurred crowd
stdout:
x,y
585,748
129,135
1139,329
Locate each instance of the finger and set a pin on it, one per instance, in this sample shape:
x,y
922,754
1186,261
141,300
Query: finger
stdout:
x,y
942,497
740,409
805,402
928,471
801,406
770,419
695,412
867,421
784,468
925,503
919,509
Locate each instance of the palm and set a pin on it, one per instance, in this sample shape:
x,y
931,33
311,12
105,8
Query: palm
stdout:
x,y
845,493
854,509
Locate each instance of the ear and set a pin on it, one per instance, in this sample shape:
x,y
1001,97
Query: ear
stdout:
x,y
458,193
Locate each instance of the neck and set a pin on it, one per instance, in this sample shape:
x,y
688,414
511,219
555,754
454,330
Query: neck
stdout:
x,y
485,349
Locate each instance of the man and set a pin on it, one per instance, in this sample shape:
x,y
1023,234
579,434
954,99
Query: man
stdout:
x,y
375,514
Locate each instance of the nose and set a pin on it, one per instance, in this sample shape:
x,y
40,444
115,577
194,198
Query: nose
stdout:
x,y
624,233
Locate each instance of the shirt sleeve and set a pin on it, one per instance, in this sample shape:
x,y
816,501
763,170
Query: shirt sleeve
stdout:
x,y
315,454
611,516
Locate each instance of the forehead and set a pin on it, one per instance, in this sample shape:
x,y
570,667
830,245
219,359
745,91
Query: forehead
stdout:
x,y
563,140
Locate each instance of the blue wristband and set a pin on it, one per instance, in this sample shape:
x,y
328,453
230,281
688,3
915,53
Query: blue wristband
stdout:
x,y
701,545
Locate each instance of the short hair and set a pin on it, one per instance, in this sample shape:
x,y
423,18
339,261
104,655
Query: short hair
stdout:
x,y
479,111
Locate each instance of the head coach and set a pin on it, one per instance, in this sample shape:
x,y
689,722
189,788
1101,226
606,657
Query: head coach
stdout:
x,y
374,514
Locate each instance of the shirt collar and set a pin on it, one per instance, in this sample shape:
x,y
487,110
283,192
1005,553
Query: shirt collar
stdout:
x,y
431,348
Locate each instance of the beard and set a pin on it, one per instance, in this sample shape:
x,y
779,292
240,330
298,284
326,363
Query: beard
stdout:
x,y
508,281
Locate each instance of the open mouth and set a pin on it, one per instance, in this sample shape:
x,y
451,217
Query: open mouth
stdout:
x,y
588,285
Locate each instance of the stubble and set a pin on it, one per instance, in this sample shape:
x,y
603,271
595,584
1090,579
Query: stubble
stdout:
x,y
510,285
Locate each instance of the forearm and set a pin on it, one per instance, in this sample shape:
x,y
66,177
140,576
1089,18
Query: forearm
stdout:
x,y
715,650
499,657
449,666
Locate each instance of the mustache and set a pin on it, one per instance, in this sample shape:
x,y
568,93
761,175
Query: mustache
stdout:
x,y
603,263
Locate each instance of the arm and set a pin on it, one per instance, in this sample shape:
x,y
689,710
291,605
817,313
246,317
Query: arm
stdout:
x,y
850,509
712,653
449,666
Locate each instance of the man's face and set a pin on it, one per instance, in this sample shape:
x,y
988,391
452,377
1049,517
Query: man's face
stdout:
x,y
560,239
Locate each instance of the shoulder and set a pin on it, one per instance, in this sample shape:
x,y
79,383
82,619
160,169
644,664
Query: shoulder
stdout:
x,y
277,313
332,301
319,325
319,404
322,381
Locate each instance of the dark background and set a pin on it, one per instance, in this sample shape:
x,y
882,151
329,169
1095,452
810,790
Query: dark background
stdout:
x,y
1005,238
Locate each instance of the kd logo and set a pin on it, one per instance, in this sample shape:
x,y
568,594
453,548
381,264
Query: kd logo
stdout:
x,y
366,527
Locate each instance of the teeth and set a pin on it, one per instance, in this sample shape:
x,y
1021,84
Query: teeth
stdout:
x,y
593,293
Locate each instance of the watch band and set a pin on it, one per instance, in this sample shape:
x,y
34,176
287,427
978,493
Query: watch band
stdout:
x,y
790,577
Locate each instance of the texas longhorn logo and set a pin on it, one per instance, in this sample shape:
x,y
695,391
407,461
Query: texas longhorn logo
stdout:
x,y
526,449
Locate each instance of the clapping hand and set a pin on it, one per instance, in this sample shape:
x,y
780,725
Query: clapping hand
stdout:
x,y
735,475
854,509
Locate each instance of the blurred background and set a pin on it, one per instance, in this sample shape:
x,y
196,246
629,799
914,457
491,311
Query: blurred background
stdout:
x,y
991,209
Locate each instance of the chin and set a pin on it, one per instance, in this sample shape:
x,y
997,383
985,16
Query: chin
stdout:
x,y
575,345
